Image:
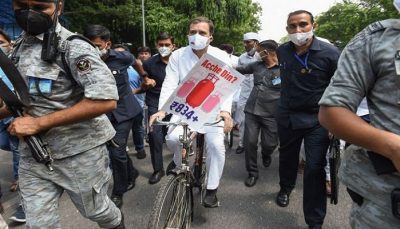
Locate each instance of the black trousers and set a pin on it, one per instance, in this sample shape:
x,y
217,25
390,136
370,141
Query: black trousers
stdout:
x,y
253,125
122,165
156,140
316,142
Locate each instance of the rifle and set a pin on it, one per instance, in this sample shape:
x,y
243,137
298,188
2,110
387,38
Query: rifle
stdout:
x,y
334,164
16,104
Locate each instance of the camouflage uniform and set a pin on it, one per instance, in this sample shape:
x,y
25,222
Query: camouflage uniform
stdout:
x,y
81,158
367,68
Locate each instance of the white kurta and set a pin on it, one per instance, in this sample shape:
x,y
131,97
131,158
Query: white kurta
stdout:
x,y
245,90
180,63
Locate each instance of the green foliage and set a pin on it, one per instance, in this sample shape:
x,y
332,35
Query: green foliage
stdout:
x,y
232,18
344,20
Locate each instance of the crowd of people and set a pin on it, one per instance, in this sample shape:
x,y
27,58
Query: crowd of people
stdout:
x,y
295,95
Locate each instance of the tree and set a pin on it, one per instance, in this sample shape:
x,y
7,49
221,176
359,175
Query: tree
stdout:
x,y
344,20
232,18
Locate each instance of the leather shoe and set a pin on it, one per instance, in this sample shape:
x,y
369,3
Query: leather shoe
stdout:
x,y
117,199
171,166
141,154
156,177
239,150
210,199
267,161
282,199
132,183
315,227
250,181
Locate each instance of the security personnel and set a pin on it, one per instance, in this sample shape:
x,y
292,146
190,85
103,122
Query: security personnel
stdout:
x,y
122,118
156,66
67,111
306,65
369,66
261,108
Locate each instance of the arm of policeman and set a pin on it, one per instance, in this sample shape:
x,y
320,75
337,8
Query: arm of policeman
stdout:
x,y
346,125
100,93
348,87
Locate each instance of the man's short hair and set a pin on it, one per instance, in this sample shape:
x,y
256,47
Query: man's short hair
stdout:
x,y
5,35
164,36
115,46
203,19
144,49
297,12
97,31
227,48
269,45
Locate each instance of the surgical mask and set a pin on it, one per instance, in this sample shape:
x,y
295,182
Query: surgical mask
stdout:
x,y
5,50
164,51
33,22
103,52
396,4
252,50
257,56
198,42
300,39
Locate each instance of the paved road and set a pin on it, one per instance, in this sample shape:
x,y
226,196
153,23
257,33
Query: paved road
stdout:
x,y
241,207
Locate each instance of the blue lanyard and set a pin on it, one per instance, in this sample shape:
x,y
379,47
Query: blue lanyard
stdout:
x,y
305,62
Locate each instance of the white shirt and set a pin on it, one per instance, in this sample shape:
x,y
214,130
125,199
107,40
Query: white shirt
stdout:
x,y
248,82
234,60
180,63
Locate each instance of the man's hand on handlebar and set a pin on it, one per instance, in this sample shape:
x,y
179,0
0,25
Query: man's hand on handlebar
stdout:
x,y
157,116
228,122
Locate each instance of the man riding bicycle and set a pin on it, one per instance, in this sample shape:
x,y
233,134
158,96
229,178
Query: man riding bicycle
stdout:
x,y
181,62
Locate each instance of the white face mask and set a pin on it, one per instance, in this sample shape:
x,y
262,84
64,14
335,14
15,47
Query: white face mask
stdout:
x,y
198,42
257,56
252,52
103,52
300,39
5,50
396,4
164,51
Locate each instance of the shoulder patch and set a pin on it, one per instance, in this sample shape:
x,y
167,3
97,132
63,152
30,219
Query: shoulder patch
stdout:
x,y
380,25
83,65
376,26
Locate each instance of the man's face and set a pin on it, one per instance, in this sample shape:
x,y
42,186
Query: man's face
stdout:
x,y
262,51
48,7
202,28
249,44
101,44
165,43
143,56
299,23
4,43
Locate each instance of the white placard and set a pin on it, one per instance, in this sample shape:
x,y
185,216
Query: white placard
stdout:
x,y
200,95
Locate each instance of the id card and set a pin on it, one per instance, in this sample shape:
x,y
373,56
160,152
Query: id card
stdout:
x,y
44,85
276,81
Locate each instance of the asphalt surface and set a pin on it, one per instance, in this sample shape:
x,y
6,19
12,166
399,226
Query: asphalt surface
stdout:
x,y
241,207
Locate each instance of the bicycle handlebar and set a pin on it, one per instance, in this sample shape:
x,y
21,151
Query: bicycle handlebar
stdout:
x,y
182,123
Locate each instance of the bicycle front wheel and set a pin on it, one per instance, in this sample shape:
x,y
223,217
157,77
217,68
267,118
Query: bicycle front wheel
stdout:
x,y
173,205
